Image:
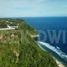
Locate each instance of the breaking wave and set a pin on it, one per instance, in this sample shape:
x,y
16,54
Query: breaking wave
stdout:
x,y
57,50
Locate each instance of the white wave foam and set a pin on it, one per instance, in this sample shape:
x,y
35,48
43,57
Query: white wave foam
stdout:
x,y
54,49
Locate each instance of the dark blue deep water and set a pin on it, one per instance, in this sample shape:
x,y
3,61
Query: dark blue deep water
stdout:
x,y
51,23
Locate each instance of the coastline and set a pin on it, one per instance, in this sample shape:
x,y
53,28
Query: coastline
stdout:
x,y
60,64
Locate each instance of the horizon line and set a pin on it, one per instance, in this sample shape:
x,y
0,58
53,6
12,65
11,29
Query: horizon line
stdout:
x,y
32,16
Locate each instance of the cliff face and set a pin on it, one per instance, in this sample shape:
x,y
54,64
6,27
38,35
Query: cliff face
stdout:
x,y
18,49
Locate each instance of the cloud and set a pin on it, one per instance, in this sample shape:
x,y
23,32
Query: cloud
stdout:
x,y
32,8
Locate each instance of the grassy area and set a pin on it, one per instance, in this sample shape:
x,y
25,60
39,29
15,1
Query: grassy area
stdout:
x,y
18,49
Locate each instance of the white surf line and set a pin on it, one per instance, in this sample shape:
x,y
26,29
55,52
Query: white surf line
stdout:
x,y
59,63
54,49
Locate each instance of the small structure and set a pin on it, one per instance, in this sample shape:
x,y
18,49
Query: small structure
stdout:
x,y
12,26
9,27
35,37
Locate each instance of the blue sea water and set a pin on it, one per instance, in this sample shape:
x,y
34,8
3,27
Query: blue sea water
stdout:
x,y
51,23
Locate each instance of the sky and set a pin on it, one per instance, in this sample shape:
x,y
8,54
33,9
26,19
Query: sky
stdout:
x,y
33,8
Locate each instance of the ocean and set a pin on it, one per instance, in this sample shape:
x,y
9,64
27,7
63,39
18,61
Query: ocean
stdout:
x,y
51,25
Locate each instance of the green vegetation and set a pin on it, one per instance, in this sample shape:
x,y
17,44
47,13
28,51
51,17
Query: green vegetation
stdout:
x,y
18,49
